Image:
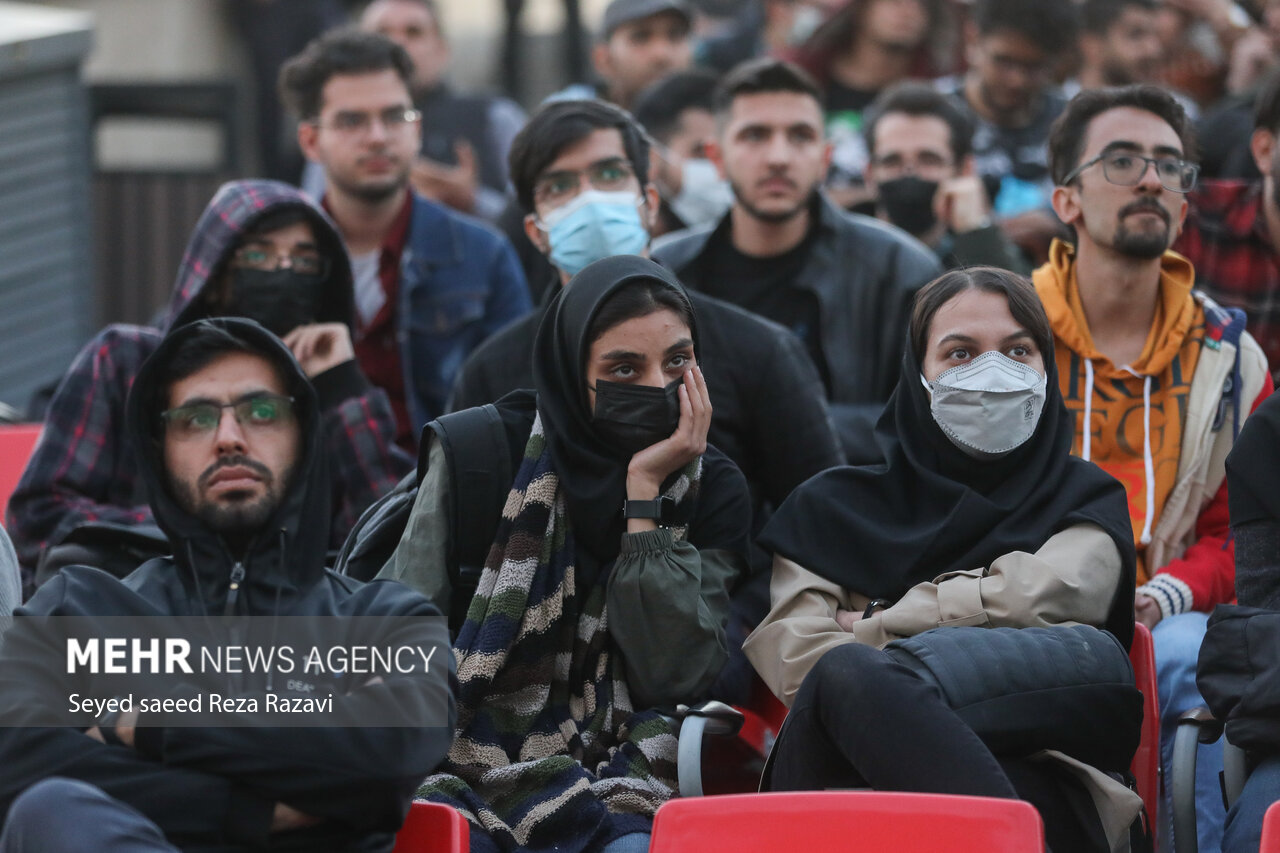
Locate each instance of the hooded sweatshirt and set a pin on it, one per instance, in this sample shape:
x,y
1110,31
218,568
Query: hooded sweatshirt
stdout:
x,y
214,789
83,469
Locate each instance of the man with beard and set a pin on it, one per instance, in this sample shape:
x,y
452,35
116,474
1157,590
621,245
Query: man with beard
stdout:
x,y
1159,377
430,284
840,282
1233,231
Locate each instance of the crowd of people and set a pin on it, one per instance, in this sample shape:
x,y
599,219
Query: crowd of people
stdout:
x,y
806,341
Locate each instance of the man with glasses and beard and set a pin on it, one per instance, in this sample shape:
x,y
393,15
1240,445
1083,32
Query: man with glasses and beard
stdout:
x,y
1158,377
430,284
840,282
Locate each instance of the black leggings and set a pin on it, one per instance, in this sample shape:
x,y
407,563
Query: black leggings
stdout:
x,y
862,720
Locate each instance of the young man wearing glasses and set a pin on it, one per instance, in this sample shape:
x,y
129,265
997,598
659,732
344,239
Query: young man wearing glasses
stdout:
x,y
261,250
228,436
1158,377
431,284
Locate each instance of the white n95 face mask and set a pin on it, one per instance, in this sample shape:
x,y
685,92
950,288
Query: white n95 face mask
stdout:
x,y
989,406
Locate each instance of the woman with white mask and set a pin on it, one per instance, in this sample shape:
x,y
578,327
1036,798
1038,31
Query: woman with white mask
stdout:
x,y
978,516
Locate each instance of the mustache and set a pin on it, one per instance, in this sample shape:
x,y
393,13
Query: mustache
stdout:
x,y
1146,205
239,461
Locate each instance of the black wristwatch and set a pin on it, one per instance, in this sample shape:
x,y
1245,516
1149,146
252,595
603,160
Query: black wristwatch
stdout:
x,y
657,509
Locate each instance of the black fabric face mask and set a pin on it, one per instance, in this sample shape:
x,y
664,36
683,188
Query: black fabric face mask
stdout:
x,y
908,201
281,300
633,417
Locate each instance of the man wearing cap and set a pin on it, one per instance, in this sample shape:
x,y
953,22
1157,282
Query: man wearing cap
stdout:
x,y
641,42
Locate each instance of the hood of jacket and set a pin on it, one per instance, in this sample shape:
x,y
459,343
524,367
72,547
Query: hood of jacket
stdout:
x,y
235,207
287,554
1175,312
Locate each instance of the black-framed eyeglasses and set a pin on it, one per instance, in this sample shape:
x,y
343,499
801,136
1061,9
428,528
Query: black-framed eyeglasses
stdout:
x,y
256,412
394,119
257,258
1127,169
555,188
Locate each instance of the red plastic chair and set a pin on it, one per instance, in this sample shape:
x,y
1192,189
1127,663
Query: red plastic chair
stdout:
x,y
839,821
1271,830
433,828
16,442
1146,761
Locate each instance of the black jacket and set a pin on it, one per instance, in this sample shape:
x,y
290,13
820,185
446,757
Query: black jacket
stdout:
x,y
214,789
865,275
1239,675
768,410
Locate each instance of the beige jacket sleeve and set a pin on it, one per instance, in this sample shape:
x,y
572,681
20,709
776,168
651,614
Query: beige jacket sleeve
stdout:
x,y
1070,580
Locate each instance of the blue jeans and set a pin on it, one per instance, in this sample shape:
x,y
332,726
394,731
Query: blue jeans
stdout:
x,y
67,816
632,842
1177,646
1243,830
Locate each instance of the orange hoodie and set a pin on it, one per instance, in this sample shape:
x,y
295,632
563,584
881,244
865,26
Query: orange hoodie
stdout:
x,y
1135,412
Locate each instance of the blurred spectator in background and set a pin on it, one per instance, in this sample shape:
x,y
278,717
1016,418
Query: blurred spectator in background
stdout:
x,y
641,41
759,29
866,46
1199,37
430,284
1008,92
677,112
921,173
1233,231
1119,44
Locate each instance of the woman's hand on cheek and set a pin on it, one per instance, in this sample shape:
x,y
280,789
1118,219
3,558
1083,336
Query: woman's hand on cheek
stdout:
x,y
655,463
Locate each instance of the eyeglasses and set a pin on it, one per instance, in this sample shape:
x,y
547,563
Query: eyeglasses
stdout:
x,y
555,188
255,258
1126,169
259,412
394,119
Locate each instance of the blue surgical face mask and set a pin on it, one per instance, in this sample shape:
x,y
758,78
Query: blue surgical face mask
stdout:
x,y
592,226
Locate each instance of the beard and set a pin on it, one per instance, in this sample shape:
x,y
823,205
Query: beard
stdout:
x,y
375,191
775,217
1142,244
236,515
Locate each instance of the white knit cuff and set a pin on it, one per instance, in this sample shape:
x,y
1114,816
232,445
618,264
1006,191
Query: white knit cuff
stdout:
x,y
1172,594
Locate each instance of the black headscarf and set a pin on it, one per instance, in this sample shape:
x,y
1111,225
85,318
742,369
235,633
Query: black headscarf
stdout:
x,y
930,508
1251,481
592,473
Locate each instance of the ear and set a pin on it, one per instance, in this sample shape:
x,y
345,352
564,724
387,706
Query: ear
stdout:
x,y
308,140
828,148
600,60
716,155
1262,145
1066,203
536,235
971,40
1090,49
651,202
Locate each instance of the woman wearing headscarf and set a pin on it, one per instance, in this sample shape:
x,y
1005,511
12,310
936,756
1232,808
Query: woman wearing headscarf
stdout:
x,y
607,586
977,516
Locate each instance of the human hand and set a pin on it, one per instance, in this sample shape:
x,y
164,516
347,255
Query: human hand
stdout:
x,y
284,818
1146,611
1032,232
649,467
452,185
961,202
123,729
846,619
320,346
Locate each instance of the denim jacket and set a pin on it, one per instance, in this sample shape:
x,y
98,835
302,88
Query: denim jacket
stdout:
x,y
460,281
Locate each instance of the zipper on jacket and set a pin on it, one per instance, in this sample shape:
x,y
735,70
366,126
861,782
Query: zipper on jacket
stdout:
x,y
233,592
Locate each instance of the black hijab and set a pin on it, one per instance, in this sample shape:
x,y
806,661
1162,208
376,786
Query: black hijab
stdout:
x,y
930,508
593,474
1251,476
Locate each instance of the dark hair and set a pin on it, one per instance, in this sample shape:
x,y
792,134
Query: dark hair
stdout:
x,y
200,344
339,52
1048,24
835,36
278,217
659,106
560,124
763,75
1066,137
918,99
1266,107
640,298
1097,16
433,9
1024,304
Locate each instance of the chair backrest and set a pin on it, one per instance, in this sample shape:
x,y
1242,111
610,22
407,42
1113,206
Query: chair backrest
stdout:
x,y
16,442
1146,761
433,827
838,821
1271,830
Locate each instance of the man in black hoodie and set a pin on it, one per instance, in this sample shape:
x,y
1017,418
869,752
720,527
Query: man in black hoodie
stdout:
x,y
227,434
